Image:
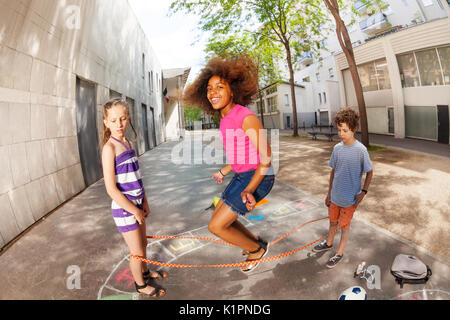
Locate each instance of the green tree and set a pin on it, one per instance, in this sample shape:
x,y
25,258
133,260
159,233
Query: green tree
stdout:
x,y
262,52
192,114
292,24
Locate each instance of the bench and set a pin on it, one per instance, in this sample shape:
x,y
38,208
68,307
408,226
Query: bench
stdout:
x,y
328,133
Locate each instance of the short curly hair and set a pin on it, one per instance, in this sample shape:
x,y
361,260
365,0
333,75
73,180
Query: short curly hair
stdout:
x,y
240,73
348,116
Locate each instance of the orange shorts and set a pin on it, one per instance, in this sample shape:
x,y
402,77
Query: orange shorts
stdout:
x,y
341,215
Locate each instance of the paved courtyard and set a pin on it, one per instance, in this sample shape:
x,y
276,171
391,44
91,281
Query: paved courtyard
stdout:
x,y
81,236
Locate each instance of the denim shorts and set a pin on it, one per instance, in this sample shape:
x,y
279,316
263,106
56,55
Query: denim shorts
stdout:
x,y
232,193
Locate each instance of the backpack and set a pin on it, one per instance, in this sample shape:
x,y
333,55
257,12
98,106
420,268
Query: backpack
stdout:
x,y
409,269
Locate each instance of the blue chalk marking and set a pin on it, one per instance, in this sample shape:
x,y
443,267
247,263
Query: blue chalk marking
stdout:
x,y
256,218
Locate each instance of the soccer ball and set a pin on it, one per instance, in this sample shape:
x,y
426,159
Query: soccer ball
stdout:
x,y
354,293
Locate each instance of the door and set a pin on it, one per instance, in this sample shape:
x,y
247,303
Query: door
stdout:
x,y
324,118
443,132
152,128
86,117
145,126
288,122
391,120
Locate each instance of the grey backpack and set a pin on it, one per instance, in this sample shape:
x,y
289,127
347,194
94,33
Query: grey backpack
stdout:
x,y
409,269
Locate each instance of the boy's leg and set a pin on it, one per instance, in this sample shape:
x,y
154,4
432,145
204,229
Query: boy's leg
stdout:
x,y
345,218
333,213
345,234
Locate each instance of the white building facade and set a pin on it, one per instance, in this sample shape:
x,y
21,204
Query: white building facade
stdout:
x,y
402,57
277,106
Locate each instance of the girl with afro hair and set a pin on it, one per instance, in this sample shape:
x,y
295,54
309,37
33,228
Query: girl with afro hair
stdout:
x,y
226,86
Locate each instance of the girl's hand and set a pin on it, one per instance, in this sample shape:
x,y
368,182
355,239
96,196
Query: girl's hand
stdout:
x,y
218,177
140,216
248,199
146,209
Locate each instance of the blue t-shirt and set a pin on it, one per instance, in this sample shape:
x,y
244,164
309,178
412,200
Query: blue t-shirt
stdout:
x,y
349,163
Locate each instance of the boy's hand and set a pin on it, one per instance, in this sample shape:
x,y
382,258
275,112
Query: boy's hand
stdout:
x,y
359,198
327,200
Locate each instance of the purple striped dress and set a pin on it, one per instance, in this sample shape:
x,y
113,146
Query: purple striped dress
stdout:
x,y
129,182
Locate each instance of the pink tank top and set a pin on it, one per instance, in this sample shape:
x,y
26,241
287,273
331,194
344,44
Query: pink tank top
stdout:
x,y
242,155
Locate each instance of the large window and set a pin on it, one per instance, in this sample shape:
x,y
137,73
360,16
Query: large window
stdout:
x,y
258,106
408,70
273,103
429,67
444,56
384,82
374,75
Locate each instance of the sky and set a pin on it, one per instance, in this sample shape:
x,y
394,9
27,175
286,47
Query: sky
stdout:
x,y
176,40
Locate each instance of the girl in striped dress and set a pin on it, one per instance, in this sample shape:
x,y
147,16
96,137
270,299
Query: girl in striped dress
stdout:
x,y
124,185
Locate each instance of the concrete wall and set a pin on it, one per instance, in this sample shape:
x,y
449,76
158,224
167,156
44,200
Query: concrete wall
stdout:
x,y
44,47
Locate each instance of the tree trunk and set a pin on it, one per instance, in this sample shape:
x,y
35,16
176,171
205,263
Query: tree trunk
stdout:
x,y
292,85
347,48
261,110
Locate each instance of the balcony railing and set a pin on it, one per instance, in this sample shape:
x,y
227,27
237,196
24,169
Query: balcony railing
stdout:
x,y
306,58
374,24
360,6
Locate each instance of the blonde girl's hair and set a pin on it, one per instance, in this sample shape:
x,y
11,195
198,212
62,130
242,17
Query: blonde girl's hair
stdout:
x,y
106,107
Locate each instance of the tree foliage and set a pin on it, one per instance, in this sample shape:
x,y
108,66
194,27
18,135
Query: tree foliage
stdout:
x,y
293,25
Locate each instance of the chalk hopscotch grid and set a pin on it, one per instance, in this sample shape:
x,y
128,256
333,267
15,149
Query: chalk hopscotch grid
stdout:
x,y
198,244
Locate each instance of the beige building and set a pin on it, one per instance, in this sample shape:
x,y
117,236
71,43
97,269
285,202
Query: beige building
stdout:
x,y
399,50
277,106
406,81
59,62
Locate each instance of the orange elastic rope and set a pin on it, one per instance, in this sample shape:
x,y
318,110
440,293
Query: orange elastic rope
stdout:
x,y
230,265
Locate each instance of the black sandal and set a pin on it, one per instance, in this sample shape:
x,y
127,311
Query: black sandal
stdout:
x,y
153,294
161,275
261,242
252,267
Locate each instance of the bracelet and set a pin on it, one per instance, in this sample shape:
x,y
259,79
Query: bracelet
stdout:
x,y
220,170
364,190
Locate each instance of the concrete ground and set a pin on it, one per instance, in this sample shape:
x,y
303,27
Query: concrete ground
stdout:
x,y
80,238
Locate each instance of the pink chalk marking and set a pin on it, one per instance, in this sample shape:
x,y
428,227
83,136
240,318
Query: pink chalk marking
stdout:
x,y
125,275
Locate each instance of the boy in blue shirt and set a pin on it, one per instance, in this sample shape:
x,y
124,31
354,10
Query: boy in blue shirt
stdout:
x,y
348,162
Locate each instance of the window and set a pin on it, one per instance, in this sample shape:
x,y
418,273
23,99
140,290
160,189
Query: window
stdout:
x,y
273,104
286,99
444,56
382,73
318,76
324,97
258,106
151,80
143,66
429,68
408,70
368,77
405,2
320,98
331,73
374,75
